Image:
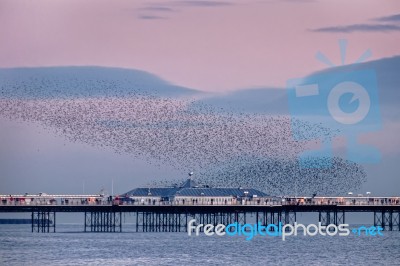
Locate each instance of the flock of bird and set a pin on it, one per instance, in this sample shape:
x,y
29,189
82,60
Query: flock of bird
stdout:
x,y
287,176
223,148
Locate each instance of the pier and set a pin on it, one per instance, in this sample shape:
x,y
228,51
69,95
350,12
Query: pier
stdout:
x,y
104,213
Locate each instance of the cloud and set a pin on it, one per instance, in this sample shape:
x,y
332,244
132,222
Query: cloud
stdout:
x,y
359,28
152,10
198,3
157,9
392,18
300,1
150,17
390,25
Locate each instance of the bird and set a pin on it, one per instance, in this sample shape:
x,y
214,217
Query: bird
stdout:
x,y
223,147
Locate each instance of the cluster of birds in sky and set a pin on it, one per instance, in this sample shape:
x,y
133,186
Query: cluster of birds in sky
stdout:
x,y
222,148
287,176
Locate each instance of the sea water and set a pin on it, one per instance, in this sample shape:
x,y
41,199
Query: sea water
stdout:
x,y
71,246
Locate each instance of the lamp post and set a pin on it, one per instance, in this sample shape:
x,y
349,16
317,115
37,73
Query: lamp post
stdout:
x,y
351,193
245,196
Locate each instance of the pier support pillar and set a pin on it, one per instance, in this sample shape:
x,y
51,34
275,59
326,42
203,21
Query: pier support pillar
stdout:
x,y
275,217
289,217
163,221
103,221
331,217
387,219
43,221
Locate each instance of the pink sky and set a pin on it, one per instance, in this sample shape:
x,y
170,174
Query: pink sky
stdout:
x,y
215,47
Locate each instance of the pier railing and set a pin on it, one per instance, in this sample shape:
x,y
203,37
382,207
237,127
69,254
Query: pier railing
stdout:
x,y
83,200
104,213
